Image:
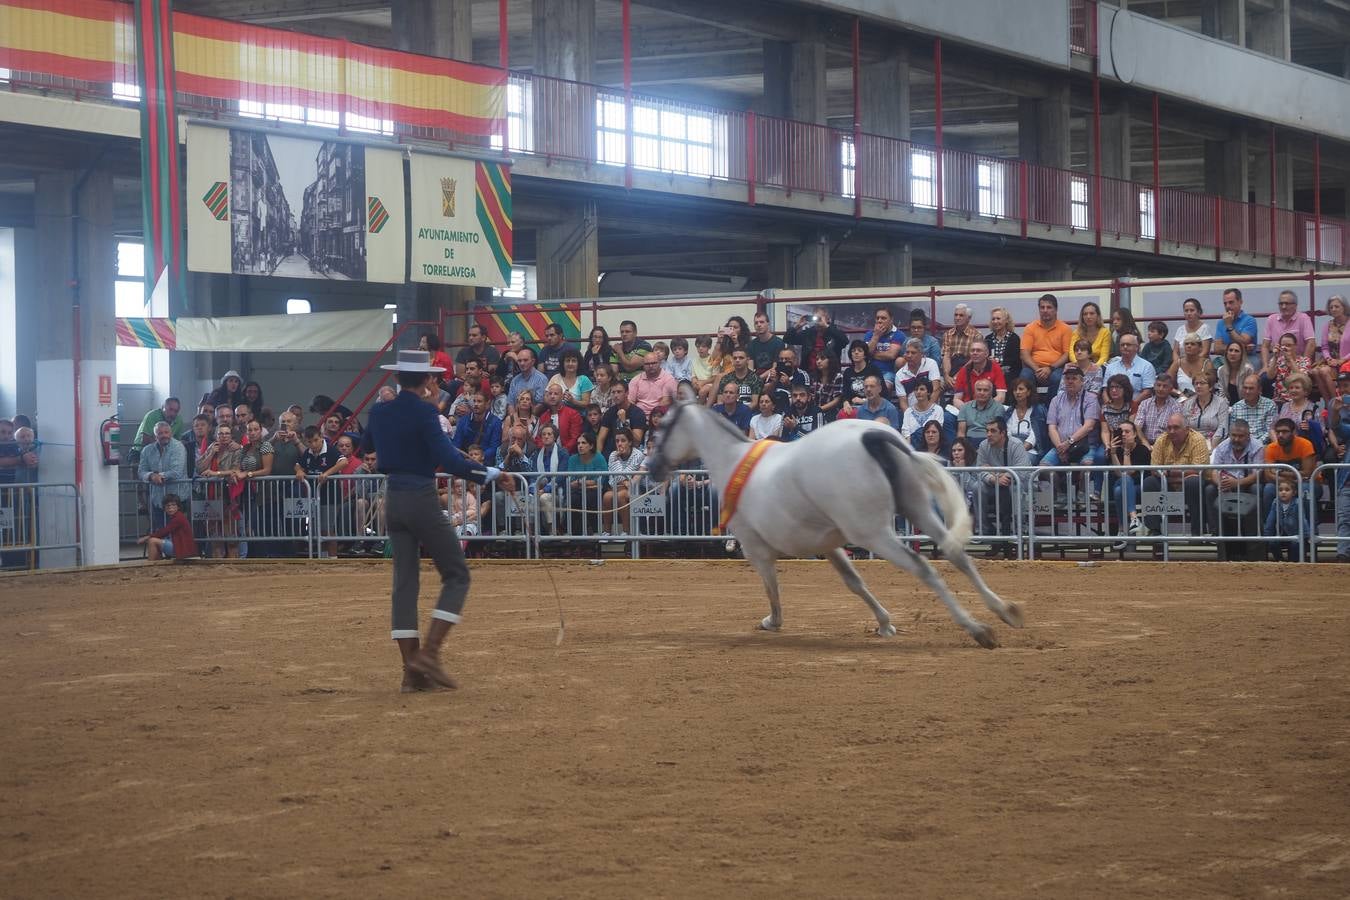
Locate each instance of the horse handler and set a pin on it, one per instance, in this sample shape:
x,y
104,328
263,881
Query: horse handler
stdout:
x,y
406,435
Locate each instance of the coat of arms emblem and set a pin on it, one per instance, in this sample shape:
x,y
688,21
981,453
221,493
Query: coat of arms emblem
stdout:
x,y
448,197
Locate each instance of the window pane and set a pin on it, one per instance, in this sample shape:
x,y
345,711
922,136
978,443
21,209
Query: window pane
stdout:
x,y
613,148
700,129
922,165
672,124
296,306
129,299
130,260
700,161
646,120
646,152
133,365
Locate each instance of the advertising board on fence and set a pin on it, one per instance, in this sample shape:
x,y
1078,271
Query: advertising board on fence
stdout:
x,y
461,221
263,203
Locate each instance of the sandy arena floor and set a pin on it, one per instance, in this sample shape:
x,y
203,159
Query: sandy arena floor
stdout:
x,y
235,730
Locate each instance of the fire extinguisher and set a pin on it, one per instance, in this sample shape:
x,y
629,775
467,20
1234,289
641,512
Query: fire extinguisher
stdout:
x,y
110,436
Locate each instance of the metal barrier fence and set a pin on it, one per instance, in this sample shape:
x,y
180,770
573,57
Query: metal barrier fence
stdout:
x,y
1017,513
1335,479
39,525
1098,507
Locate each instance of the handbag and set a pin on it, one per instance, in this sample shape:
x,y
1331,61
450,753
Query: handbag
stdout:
x,y
1236,503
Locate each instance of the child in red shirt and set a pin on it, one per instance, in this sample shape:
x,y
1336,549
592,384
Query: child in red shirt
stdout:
x,y
174,540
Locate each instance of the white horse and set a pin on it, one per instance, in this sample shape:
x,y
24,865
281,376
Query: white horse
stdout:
x,y
842,484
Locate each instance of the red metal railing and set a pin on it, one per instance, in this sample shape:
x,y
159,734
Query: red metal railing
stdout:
x,y
1081,13
591,124
1058,198
1185,218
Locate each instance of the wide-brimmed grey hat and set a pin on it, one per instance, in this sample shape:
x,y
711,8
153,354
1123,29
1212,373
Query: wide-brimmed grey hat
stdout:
x,y
413,361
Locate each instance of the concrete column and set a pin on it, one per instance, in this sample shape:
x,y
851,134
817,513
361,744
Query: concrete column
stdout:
x,y
1043,127
893,268
433,27
811,268
1060,271
1283,192
794,80
1116,140
77,252
1227,171
778,268
1268,32
885,95
885,100
564,39
568,256
1225,20
1043,138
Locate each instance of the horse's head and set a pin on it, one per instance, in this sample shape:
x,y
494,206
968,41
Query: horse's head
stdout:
x,y
674,444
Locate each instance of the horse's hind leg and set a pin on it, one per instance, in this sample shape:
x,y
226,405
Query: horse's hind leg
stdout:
x,y
853,581
888,547
1006,610
766,564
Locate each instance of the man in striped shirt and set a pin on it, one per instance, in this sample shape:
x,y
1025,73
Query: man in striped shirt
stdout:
x,y
1257,411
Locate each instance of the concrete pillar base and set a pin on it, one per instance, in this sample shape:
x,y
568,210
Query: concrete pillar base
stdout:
x,y
894,268
76,248
568,256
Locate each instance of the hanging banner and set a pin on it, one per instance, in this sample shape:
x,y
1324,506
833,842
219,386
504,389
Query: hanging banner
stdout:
x,y
261,203
161,192
330,332
461,221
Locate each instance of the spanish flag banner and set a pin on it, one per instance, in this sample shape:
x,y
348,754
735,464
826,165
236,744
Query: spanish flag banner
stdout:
x,y
84,40
336,80
265,71
461,221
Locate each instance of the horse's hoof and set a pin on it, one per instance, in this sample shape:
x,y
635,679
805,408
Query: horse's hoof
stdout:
x,y
768,624
984,636
1012,614
886,631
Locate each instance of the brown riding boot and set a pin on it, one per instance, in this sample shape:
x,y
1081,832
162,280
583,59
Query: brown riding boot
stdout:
x,y
426,659
413,682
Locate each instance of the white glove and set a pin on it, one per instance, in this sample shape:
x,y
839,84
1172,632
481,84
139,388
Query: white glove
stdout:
x,y
493,473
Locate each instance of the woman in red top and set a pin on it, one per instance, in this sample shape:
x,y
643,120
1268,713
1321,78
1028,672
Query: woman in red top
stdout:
x,y
174,540
432,344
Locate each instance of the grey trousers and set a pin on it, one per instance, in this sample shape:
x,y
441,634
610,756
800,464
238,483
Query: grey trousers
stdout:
x,y
415,519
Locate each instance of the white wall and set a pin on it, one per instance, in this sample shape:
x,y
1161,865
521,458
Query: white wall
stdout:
x,y
1153,55
1034,29
9,334
288,378
18,321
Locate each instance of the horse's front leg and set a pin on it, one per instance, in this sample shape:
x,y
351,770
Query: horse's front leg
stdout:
x,y
853,581
766,564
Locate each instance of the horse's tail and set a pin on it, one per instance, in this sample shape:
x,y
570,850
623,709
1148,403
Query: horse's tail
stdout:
x,y
951,503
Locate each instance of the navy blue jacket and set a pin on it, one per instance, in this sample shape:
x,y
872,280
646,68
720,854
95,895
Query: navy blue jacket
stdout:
x,y
410,445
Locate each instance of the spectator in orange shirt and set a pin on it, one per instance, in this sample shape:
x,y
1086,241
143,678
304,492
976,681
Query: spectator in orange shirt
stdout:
x,y
1290,449
1045,346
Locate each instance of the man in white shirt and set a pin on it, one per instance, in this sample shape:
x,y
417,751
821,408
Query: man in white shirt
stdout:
x,y
915,366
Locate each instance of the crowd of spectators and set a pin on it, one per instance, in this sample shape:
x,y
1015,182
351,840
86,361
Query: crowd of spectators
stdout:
x,y
1091,392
